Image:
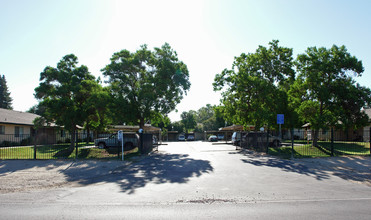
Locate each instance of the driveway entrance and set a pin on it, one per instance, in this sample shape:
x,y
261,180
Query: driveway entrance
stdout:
x,y
190,180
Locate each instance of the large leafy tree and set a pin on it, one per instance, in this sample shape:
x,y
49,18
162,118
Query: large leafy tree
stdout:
x,y
189,120
63,91
145,83
204,113
210,118
5,99
325,93
253,90
97,106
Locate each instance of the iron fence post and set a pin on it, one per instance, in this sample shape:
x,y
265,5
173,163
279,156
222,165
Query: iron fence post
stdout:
x,y
267,145
332,142
369,139
292,143
141,142
34,146
77,142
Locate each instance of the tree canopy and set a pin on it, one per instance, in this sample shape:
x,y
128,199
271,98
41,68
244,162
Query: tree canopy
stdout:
x,y
146,82
189,120
325,93
63,91
251,90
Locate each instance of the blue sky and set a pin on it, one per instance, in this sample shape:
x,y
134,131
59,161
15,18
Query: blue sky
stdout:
x,y
207,35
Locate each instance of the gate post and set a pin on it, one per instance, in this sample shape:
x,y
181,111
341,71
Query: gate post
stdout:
x,y
292,143
332,142
34,146
267,145
77,140
369,138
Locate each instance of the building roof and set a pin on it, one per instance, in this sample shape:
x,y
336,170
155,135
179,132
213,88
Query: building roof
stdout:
x,y
16,117
134,128
236,128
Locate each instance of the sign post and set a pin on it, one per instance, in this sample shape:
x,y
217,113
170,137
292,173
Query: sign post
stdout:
x,y
280,121
120,137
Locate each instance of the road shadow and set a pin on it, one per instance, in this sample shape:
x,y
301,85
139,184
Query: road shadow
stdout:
x,y
352,168
158,168
357,169
285,165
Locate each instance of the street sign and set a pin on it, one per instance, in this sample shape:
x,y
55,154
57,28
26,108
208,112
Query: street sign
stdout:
x,y
280,119
120,137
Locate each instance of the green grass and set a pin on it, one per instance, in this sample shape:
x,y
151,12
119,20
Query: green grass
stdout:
x,y
61,151
304,151
348,148
324,149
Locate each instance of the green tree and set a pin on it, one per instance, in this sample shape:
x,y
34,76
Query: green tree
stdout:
x,y
210,118
96,107
5,99
351,98
252,90
37,109
63,91
325,92
177,126
146,82
204,113
188,120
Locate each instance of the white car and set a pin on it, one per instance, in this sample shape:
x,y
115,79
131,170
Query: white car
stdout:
x,y
181,138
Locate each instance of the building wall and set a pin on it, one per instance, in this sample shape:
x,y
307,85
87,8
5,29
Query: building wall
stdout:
x,y
366,133
9,133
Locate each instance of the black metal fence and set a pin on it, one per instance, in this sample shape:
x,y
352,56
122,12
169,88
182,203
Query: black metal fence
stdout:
x,y
58,146
308,143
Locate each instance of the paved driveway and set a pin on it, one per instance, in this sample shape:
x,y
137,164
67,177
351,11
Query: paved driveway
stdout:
x,y
189,180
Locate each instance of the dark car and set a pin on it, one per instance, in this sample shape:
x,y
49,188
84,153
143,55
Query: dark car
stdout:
x,y
213,138
220,137
131,141
261,138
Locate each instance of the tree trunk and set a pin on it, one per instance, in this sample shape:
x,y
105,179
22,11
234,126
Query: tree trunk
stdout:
x,y
141,123
73,137
316,131
88,133
315,138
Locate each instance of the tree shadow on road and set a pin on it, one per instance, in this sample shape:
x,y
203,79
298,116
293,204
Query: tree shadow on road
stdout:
x,y
259,159
349,168
158,168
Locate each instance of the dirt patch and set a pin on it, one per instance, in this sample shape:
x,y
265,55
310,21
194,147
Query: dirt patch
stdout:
x,y
26,175
26,181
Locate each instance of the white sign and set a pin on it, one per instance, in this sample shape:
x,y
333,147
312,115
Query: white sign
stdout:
x,y
119,135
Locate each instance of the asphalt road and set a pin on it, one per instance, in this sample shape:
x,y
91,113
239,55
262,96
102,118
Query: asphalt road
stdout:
x,y
191,180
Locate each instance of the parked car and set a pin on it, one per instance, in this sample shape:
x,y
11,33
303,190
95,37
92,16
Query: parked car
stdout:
x,y
213,138
181,137
220,136
191,137
236,138
261,137
131,141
